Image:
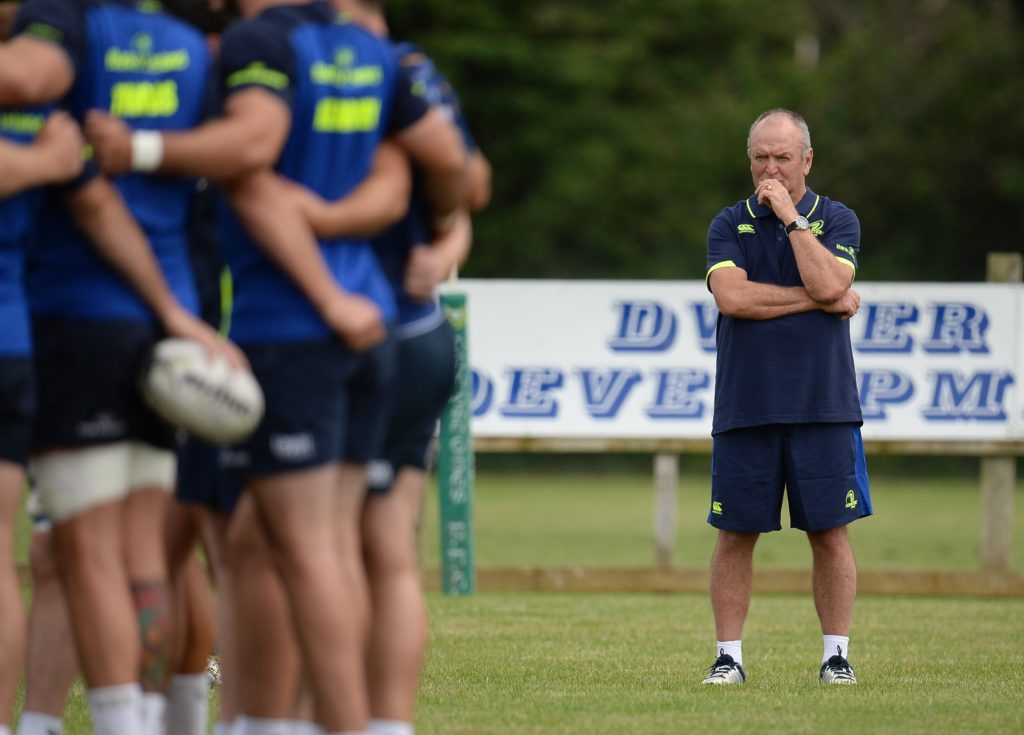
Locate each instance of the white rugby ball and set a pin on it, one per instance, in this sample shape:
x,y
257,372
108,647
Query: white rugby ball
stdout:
x,y
205,396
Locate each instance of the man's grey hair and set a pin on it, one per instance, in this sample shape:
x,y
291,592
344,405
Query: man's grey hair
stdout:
x,y
797,119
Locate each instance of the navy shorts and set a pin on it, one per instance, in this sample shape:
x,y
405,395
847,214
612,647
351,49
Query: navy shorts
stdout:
x,y
87,384
17,408
426,379
371,392
201,480
821,468
309,390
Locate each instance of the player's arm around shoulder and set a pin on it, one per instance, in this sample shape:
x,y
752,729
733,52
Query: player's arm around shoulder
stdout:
x,y
36,64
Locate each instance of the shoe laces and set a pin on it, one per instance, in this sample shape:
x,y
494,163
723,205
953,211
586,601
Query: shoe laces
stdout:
x,y
723,665
840,668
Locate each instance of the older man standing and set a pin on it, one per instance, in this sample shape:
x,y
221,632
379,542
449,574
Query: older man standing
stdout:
x,y
787,415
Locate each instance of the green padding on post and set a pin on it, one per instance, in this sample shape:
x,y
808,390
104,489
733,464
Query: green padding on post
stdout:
x,y
455,464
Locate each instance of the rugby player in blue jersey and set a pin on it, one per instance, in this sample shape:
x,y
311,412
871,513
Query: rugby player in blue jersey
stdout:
x,y
102,289
36,149
311,96
416,258
787,415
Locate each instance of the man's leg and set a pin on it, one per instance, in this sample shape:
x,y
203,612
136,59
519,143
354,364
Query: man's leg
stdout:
x,y
145,523
732,573
215,534
12,609
398,631
298,510
51,666
263,642
835,579
835,589
96,586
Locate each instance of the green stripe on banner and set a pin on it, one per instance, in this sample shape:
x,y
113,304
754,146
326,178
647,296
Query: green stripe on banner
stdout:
x,y
455,465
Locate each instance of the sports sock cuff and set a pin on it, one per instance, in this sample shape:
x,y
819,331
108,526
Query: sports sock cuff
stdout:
x,y
37,723
730,648
390,727
836,645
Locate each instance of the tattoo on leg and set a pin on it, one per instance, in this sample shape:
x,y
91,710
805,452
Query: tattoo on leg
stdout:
x,y
154,614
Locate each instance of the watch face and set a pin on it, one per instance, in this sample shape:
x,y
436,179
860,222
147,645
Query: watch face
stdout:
x,y
800,223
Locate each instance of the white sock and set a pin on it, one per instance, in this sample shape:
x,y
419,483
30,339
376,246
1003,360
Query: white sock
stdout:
x,y
5,730
153,710
730,648
305,727
261,726
835,645
116,710
188,704
390,727
36,723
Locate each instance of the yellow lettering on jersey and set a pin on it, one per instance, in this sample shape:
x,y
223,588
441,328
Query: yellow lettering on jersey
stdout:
x,y
144,99
21,123
337,75
117,59
258,73
335,115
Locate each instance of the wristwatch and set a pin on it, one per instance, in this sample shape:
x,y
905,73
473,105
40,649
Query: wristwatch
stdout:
x,y
800,223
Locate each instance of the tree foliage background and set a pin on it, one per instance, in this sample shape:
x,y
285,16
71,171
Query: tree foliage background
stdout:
x,y
617,129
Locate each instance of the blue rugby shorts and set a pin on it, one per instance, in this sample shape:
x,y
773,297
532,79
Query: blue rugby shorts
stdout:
x,y
819,467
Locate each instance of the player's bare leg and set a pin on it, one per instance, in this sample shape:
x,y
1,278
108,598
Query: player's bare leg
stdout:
x,y
145,519
215,535
264,643
348,515
12,609
299,510
51,666
90,559
398,631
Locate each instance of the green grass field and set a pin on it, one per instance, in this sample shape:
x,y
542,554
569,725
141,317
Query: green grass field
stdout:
x,y
630,663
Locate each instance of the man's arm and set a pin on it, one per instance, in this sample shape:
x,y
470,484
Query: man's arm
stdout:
x,y
249,136
824,277
262,203
380,200
740,298
33,72
435,144
478,175
430,264
101,215
54,156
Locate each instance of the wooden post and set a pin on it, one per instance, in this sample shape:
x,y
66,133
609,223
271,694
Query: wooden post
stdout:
x,y
999,474
666,483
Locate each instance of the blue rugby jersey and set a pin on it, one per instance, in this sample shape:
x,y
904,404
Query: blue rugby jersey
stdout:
x,y
17,214
153,70
792,369
395,243
345,92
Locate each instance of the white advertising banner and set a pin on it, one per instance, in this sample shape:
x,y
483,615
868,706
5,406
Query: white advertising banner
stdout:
x,y
636,359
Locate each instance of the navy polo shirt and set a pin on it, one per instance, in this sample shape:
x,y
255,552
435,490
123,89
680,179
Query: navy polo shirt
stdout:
x,y
791,369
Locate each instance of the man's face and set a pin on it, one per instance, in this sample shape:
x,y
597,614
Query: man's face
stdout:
x,y
775,153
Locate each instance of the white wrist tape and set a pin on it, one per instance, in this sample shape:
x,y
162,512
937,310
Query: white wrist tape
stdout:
x,y
147,150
